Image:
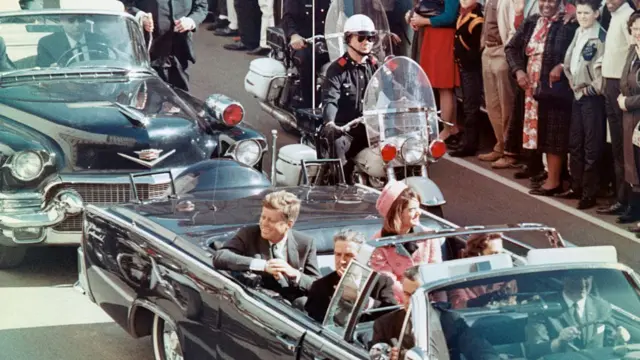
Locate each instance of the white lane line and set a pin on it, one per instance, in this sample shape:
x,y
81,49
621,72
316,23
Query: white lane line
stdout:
x,y
547,200
31,307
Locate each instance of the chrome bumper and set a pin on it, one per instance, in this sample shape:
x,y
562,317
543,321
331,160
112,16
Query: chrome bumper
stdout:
x,y
82,284
13,225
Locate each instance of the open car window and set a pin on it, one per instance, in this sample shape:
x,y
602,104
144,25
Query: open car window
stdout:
x,y
518,314
34,40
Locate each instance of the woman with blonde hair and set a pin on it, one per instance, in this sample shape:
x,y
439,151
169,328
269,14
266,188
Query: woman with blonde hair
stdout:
x,y
399,205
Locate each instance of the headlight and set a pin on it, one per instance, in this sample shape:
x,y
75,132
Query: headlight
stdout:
x,y
248,152
26,166
412,151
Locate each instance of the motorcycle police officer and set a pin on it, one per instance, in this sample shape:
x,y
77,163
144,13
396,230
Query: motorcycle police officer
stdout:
x,y
343,90
297,20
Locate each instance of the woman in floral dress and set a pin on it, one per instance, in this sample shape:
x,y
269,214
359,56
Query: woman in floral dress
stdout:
x,y
535,55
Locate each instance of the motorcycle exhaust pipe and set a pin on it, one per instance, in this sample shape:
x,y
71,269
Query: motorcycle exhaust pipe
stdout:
x,y
280,115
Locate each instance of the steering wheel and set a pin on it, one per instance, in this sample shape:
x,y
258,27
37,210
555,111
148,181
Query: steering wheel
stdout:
x,y
104,50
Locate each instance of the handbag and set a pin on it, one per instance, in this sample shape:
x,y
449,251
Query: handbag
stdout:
x,y
559,91
429,8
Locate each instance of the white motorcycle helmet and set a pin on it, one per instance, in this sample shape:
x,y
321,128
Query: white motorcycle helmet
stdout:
x,y
359,25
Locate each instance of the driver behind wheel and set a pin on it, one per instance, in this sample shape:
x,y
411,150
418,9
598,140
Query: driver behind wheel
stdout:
x,y
346,245
581,325
74,42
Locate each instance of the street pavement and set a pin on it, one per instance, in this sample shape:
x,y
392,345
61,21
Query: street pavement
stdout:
x,y
43,318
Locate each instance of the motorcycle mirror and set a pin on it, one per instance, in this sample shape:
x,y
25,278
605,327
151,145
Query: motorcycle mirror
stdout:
x,y
380,351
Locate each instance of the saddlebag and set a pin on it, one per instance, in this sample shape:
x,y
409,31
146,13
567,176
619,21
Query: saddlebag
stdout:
x,y
265,74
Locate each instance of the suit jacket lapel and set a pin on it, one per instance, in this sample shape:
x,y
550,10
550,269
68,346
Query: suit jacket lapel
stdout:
x,y
589,315
292,251
263,247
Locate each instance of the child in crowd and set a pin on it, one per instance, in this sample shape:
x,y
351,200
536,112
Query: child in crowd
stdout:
x,y
467,54
582,66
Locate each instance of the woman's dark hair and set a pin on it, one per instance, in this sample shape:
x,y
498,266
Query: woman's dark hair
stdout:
x,y
593,4
632,18
477,243
393,221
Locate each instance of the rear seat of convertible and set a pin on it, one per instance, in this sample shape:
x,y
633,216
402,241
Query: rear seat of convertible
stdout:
x,y
323,236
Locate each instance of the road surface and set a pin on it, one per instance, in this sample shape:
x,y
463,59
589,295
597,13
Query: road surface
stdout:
x,y
43,318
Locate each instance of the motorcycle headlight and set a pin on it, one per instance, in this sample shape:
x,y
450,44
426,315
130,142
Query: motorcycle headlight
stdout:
x,y
248,152
412,151
27,166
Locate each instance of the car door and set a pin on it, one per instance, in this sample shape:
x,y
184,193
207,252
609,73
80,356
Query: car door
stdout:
x,y
339,336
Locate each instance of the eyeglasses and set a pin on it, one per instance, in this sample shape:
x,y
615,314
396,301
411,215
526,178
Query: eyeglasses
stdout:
x,y
370,38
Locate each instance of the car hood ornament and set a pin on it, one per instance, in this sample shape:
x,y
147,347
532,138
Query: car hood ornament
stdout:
x,y
148,157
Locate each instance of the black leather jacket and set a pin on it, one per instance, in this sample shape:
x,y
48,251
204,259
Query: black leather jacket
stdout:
x,y
343,88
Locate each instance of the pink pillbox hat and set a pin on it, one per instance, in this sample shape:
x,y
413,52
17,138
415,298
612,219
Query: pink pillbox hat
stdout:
x,y
389,194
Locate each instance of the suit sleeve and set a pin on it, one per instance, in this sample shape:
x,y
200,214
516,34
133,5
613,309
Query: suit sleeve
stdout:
x,y
380,264
331,93
385,295
44,57
315,307
231,256
199,11
538,342
311,271
380,331
5,62
513,49
291,13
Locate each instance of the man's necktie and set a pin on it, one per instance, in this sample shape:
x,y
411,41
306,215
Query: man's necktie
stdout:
x,y
576,315
274,253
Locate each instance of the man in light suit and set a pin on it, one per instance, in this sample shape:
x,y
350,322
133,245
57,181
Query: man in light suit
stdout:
x,y
580,325
286,257
172,23
56,48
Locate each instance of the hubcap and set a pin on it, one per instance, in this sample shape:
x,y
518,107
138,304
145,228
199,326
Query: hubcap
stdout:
x,y
172,349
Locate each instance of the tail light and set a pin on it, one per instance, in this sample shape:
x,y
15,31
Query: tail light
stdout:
x,y
388,152
437,149
233,115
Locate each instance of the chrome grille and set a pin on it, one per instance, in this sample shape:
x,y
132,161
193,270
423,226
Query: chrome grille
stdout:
x,y
106,194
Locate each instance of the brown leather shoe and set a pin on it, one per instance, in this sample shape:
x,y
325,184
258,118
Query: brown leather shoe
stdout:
x,y
492,156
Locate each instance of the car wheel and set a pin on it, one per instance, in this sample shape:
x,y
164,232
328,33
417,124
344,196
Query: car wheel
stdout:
x,y
436,210
11,256
166,341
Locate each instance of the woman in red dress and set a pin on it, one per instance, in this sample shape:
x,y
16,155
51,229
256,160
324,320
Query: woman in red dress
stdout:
x,y
437,59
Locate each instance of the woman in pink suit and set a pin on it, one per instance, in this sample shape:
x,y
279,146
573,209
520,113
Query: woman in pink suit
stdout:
x,y
399,205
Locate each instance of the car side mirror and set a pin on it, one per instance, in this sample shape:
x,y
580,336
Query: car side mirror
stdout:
x,y
380,351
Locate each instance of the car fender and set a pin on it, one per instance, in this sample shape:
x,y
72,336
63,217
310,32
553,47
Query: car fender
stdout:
x,y
219,174
427,189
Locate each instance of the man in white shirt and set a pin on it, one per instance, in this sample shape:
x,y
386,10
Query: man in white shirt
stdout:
x,y
73,44
615,54
286,258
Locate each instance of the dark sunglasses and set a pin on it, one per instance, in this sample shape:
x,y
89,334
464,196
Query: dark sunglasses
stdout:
x,y
366,35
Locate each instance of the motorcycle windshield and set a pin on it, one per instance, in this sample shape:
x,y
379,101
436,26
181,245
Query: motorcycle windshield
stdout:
x,y
399,104
341,10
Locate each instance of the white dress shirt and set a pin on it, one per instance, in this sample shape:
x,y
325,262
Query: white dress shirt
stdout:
x,y
617,43
85,49
570,303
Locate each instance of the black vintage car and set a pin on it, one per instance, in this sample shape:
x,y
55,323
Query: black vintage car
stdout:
x,y
75,122
149,267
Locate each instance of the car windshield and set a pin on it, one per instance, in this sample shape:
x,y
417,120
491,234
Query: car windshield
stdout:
x,y
69,42
532,315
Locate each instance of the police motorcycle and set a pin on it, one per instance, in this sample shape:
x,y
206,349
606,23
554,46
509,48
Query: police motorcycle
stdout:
x,y
274,80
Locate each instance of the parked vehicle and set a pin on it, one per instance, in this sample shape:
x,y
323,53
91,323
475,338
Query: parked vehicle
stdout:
x,y
73,132
401,119
157,279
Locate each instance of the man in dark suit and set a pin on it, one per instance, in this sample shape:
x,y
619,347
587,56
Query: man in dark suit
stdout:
x,y
580,325
346,245
74,42
5,63
287,257
172,23
458,336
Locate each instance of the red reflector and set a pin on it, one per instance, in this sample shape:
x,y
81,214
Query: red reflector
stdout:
x,y
233,115
437,149
388,152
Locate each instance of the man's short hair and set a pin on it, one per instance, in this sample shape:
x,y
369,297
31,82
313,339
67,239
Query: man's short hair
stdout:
x,y
349,235
412,273
285,202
